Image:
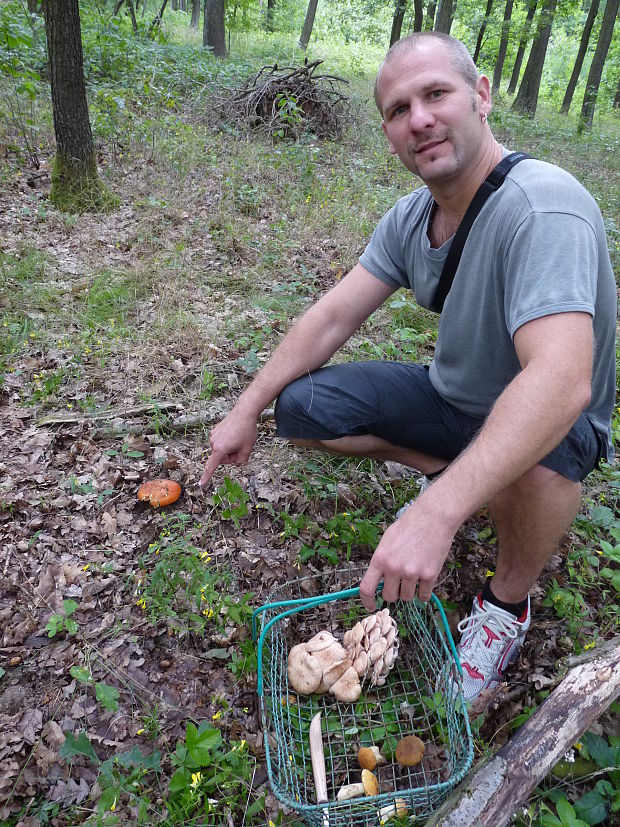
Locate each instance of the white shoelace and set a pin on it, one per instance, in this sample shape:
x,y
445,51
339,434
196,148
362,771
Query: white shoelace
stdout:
x,y
496,622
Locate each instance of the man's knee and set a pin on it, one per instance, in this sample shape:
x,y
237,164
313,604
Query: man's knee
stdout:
x,y
295,411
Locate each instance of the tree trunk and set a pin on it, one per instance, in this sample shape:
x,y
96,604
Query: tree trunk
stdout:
x,y
213,32
117,7
527,96
132,14
516,69
269,24
617,97
308,24
195,15
498,787
430,16
76,186
598,62
418,15
503,47
445,16
397,20
482,29
157,20
583,48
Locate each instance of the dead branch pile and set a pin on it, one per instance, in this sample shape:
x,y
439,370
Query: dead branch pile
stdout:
x,y
288,101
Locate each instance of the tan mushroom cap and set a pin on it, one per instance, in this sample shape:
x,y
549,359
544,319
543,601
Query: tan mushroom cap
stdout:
x,y
370,782
409,751
370,757
348,687
304,670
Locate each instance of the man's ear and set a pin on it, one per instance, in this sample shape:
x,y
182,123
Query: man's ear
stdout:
x,y
390,144
483,92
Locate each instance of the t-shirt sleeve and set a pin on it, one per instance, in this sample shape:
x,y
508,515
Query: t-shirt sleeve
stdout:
x,y
384,255
551,267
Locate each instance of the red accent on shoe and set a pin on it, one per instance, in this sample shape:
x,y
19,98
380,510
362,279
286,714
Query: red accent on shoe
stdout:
x,y
473,673
491,636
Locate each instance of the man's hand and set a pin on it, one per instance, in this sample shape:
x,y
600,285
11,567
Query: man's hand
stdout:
x,y
409,557
231,443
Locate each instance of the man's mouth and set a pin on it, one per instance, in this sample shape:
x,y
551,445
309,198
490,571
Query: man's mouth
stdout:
x,y
429,146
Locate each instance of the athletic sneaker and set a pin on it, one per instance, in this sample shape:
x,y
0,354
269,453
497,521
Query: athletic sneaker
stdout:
x,y
491,638
423,482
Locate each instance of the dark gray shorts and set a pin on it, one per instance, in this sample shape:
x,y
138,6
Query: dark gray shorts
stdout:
x,y
396,401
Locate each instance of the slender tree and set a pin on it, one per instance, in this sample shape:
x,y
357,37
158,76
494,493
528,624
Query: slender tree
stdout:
x,y
482,30
503,48
269,15
525,36
527,96
445,16
156,22
430,16
418,15
214,32
598,62
76,186
306,32
581,53
617,96
397,21
193,24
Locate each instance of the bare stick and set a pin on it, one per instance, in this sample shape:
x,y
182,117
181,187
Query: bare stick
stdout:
x,y
317,756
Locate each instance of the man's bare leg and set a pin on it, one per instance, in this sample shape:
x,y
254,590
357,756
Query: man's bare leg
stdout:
x,y
374,447
531,516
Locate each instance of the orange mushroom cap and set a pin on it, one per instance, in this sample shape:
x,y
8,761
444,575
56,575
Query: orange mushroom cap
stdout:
x,y
159,492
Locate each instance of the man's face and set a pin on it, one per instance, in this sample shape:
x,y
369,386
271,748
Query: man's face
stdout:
x,y
431,115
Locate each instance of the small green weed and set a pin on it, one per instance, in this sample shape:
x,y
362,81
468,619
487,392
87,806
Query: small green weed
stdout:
x,y
63,622
232,500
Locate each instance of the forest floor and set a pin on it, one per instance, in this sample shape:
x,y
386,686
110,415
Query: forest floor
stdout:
x,y
128,335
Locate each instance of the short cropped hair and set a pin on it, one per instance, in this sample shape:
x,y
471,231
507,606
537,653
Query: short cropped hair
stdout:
x,y
459,55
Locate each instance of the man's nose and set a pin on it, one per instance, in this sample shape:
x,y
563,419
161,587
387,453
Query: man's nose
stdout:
x,y
420,118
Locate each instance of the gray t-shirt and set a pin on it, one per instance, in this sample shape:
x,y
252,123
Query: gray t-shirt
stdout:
x,y
537,248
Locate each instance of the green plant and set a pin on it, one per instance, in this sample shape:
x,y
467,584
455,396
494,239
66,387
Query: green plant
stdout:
x,y
63,622
210,778
179,584
232,500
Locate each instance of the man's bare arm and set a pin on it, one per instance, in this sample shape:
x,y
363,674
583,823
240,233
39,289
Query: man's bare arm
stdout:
x,y
533,414
325,327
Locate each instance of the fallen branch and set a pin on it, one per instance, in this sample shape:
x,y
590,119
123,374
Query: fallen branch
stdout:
x,y
497,788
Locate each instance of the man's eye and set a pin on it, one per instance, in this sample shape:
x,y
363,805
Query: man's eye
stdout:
x,y
436,93
398,110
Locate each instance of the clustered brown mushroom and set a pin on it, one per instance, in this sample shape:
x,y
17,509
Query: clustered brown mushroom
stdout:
x,y
323,664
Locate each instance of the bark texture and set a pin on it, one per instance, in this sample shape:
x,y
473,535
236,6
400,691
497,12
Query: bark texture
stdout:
x,y
503,48
75,180
527,96
397,21
483,29
494,791
306,32
525,36
581,53
445,16
193,24
598,62
214,33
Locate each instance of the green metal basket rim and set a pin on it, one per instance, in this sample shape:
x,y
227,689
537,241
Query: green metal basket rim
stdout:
x,y
300,604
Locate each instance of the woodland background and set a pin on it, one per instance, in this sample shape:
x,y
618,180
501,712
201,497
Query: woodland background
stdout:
x,y
238,175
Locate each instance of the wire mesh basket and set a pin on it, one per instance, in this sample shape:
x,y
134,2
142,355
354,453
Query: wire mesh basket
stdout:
x,y
422,696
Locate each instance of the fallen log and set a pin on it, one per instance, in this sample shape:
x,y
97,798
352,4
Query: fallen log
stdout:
x,y
495,789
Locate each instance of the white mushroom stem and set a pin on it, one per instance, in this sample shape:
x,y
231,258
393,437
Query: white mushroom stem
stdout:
x,y
398,808
350,791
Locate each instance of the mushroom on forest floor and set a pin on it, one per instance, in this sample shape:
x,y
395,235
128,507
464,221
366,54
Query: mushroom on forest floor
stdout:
x,y
159,492
369,785
398,808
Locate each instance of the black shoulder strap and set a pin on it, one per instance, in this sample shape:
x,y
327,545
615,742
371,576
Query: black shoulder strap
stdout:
x,y
489,185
